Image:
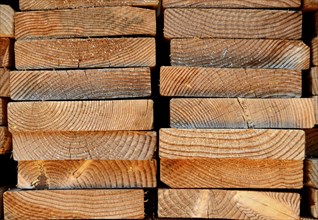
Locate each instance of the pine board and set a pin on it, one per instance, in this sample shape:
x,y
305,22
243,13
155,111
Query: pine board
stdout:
x,y
6,21
232,23
6,52
231,204
5,141
314,51
85,53
4,82
178,81
81,116
109,21
74,204
240,53
315,101
311,142
314,80
80,84
311,172
313,197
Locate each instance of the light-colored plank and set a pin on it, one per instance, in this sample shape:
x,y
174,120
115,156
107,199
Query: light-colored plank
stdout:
x,y
81,116
232,143
80,84
314,51
313,197
242,113
232,173
109,21
231,204
4,82
311,142
74,204
95,174
5,141
232,23
60,4
240,53
229,82
311,172
102,145
231,3
6,21
310,5
6,52
85,53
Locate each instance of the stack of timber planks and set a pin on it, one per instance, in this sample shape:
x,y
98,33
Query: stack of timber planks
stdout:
x,y
235,144
82,116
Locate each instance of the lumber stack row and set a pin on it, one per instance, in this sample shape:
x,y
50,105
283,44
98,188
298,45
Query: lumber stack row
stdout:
x,y
236,85
82,120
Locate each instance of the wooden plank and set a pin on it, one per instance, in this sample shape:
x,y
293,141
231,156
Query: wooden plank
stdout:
x,y
109,21
60,4
231,4
5,141
232,173
241,113
81,116
95,145
310,5
227,204
232,143
311,172
6,52
177,81
3,112
314,80
74,204
85,53
232,23
313,197
83,174
315,101
314,51
2,190
4,82
311,142
240,53
6,21
81,84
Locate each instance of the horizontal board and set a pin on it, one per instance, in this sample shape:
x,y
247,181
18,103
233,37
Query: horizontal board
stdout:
x,y
311,142
314,51
230,3
59,4
232,143
81,116
4,82
177,81
83,174
313,197
74,204
240,53
5,141
109,21
242,113
6,21
80,84
232,173
227,204
6,52
232,23
94,145
311,172
85,53
310,5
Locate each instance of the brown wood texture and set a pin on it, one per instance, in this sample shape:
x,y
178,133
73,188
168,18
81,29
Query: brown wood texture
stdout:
x,y
232,143
81,116
3,112
315,101
86,174
227,204
102,145
241,113
311,142
4,82
177,81
230,3
2,190
232,23
62,4
6,52
80,84
85,53
311,172
314,51
313,202
5,141
232,173
310,5
314,80
109,21
6,21
74,204
240,53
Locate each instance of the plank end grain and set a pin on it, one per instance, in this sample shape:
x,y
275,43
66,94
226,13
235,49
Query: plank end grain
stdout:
x,y
313,198
310,5
6,21
5,141
311,142
4,82
6,52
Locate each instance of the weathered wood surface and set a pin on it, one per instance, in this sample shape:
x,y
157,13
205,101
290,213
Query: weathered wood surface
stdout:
x,y
62,4
310,5
242,113
85,53
230,3
240,53
86,174
6,52
232,204
74,204
95,145
232,23
232,143
313,198
80,84
314,51
5,141
109,21
6,21
177,81
232,173
4,82
81,116
311,142
311,172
